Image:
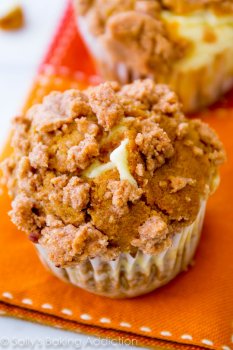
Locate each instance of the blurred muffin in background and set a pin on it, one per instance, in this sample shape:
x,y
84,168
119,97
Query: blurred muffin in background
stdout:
x,y
111,183
11,15
186,44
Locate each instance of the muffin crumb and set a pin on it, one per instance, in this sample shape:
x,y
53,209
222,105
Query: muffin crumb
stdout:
x,y
58,109
81,156
106,105
122,192
89,242
76,193
22,215
68,244
177,183
154,144
39,156
152,235
53,221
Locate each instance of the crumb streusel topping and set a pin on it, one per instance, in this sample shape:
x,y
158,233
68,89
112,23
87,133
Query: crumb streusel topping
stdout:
x,y
107,170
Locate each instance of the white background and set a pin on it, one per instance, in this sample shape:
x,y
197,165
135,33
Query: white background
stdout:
x,y
20,54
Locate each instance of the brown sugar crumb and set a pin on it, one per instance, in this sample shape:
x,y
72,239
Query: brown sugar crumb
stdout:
x,y
57,109
105,103
76,193
168,102
60,181
39,156
68,244
55,195
89,242
13,19
27,181
182,130
155,144
212,144
81,156
198,151
22,215
143,91
140,170
20,140
24,168
58,244
177,183
153,235
86,126
141,35
155,97
53,221
122,192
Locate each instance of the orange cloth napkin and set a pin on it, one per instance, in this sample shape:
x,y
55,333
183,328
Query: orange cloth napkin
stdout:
x,y
194,311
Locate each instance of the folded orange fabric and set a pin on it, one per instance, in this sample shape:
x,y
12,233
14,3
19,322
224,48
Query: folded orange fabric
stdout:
x,y
194,311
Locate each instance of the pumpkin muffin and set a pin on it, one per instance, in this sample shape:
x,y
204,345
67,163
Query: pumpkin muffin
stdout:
x,y
111,185
186,44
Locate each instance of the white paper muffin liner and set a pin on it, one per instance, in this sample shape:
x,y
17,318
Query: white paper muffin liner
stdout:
x,y
196,88
129,276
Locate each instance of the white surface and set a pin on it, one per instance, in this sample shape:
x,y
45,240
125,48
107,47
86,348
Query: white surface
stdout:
x,y
20,54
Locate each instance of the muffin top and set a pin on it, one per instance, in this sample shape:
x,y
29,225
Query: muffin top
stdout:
x,y
108,170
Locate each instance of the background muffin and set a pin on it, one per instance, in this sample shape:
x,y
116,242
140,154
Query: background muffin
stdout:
x,y
187,45
112,184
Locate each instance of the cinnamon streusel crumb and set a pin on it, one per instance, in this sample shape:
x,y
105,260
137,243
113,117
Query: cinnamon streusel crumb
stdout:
x,y
152,235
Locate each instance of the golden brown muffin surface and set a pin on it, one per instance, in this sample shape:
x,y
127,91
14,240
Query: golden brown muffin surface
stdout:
x,y
111,169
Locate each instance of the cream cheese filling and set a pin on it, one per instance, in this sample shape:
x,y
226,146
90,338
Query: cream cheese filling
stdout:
x,y
118,160
119,157
193,26
96,169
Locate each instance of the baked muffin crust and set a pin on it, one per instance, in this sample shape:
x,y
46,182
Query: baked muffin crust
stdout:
x,y
111,169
